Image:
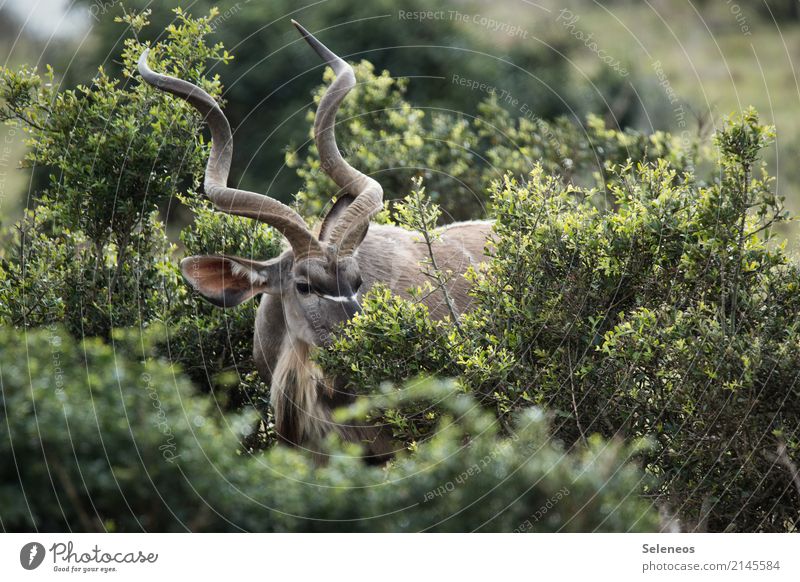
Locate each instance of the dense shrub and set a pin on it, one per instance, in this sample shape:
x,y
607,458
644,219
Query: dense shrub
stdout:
x,y
50,273
458,157
96,207
632,292
127,447
92,251
673,314
93,254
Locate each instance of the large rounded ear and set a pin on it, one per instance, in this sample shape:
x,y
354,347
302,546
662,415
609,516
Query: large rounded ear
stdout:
x,y
228,281
334,215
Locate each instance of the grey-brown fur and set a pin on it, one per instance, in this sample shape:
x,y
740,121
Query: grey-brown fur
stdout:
x,y
301,398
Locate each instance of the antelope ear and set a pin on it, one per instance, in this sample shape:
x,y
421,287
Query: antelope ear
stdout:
x,y
228,281
333,216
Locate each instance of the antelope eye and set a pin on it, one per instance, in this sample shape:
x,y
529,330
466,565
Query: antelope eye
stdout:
x,y
303,288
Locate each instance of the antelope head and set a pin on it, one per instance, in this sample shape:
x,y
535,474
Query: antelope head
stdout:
x,y
318,277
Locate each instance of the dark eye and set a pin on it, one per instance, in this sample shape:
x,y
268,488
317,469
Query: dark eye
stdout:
x,y
303,288
359,282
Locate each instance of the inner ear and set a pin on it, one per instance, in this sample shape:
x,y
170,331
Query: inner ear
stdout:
x,y
229,281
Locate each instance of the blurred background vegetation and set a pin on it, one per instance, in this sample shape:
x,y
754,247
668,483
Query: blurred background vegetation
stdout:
x,y
647,248
686,65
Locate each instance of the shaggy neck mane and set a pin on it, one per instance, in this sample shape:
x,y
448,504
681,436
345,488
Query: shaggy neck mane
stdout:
x,y
294,394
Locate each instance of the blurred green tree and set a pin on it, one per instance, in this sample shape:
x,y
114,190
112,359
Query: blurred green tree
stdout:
x,y
271,78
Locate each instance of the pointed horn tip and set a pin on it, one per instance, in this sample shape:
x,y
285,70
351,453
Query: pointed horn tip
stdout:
x,y
144,68
324,52
300,28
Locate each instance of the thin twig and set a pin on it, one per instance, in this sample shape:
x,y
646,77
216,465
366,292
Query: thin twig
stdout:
x,y
572,392
705,511
783,459
436,273
740,250
73,495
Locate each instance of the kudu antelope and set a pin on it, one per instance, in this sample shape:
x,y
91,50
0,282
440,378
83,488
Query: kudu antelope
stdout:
x,y
315,285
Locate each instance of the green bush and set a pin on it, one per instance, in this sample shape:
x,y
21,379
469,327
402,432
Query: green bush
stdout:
x,y
92,252
128,447
634,290
458,157
96,206
52,274
673,314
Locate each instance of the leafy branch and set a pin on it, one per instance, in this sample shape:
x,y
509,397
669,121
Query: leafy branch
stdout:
x,y
417,212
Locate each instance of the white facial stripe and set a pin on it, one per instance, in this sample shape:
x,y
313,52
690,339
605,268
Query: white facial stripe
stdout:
x,y
339,298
